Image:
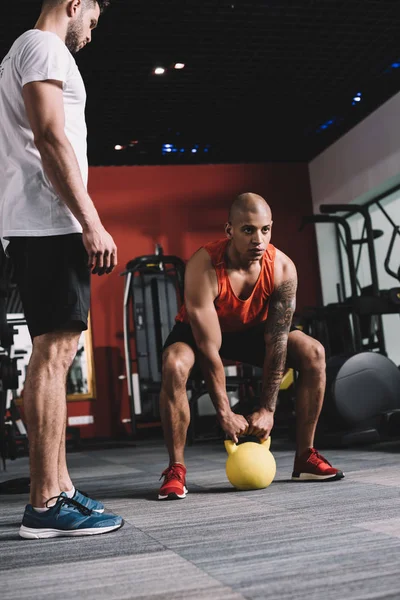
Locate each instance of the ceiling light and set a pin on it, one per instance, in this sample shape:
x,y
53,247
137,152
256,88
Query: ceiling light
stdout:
x,y
179,66
167,148
326,125
118,147
159,71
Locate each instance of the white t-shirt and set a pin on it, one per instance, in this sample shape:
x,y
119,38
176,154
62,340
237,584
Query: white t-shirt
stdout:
x,y
29,205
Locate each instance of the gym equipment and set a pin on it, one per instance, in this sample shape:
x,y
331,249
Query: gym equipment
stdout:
x,y
13,434
250,465
153,294
362,400
371,302
367,304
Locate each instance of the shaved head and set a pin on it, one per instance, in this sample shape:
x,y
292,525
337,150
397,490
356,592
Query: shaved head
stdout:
x,y
248,203
249,228
103,4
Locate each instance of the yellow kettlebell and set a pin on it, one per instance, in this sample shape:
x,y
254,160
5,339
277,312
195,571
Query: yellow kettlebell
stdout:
x,y
250,466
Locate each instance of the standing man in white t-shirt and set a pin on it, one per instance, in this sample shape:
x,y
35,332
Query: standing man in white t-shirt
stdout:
x,y
53,234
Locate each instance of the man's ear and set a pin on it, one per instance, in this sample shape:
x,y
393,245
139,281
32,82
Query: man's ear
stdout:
x,y
228,229
73,7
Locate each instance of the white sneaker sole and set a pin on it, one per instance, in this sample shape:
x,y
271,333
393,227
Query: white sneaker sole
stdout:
x,y
311,477
35,534
174,496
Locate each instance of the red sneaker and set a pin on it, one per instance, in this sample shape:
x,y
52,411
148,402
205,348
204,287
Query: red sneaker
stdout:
x,y
312,466
174,486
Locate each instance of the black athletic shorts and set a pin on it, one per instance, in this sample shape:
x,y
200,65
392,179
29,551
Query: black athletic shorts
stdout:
x,y
53,280
246,346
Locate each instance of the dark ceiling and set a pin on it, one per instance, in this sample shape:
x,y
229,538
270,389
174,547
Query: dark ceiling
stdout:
x,y
264,79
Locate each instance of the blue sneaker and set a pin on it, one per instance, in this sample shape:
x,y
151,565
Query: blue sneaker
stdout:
x,y
66,518
84,499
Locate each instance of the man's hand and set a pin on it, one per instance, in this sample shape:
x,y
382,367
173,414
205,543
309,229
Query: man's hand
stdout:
x,y
233,425
260,423
101,249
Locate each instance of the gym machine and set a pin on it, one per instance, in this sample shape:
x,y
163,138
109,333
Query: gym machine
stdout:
x,y
154,287
362,401
13,435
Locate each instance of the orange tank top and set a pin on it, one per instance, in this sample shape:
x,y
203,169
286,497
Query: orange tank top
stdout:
x,y
235,314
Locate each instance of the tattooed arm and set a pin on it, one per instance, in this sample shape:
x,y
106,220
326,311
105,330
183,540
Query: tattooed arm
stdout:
x,y
280,314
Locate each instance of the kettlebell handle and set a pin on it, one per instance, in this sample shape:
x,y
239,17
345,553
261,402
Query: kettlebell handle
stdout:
x,y
231,447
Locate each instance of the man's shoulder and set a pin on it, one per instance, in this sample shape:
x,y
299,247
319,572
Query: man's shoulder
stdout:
x,y
282,258
284,267
19,43
200,274
201,259
38,40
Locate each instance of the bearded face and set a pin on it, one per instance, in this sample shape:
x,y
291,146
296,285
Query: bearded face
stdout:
x,y
79,31
75,38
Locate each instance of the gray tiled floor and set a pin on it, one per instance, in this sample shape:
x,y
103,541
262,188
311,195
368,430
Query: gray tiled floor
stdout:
x,y
292,541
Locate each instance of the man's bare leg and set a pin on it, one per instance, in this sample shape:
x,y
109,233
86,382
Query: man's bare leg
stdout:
x,y
307,356
63,476
178,361
44,407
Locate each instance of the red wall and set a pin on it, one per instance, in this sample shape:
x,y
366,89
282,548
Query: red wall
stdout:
x,y
181,207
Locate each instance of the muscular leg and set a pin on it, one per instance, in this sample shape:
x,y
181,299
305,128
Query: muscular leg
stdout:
x,y
63,475
307,356
44,406
178,360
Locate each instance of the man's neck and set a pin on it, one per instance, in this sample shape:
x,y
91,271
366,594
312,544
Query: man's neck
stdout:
x,y
235,261
51,22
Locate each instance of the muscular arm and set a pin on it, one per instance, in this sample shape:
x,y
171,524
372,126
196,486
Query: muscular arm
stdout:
x,y
280,314
45,109
201,288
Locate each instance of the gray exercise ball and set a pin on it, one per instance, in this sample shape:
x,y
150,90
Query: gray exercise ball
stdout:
x,y
366,385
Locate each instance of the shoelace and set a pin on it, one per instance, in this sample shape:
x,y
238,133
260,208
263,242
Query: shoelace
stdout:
x,y
315,457
65,501
172,472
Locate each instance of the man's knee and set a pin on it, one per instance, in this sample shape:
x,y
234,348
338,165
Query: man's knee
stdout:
x,y
56,349
314,356
306,353
176,368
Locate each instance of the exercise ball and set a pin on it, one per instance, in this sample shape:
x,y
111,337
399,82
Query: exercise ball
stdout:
x,y
251,465
366,385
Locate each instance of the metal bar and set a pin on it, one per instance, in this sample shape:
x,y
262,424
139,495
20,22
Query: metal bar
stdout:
x,y
389,218
383,195
128,355
339,252
326,218
363,210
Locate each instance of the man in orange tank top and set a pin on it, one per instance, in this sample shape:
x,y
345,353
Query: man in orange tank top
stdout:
x,y
240,297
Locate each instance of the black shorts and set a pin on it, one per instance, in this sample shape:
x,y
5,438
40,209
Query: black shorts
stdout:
x,y
53,280
246,346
